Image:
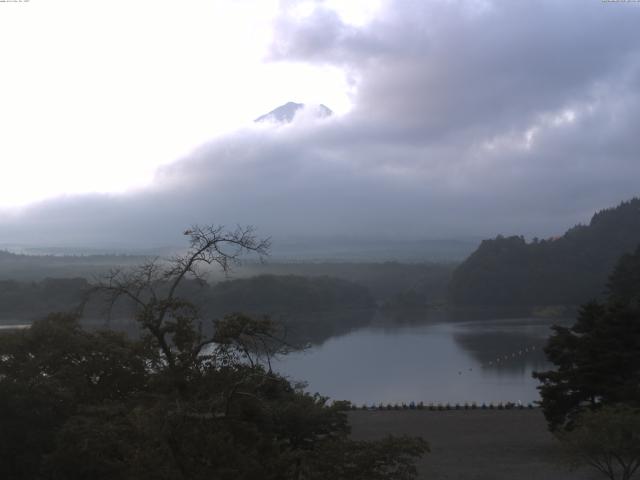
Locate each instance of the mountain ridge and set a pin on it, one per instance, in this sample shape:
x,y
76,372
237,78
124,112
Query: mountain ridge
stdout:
x,y
285,113
567,270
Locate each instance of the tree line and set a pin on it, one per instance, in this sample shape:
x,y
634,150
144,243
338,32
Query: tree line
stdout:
x,y
263,294
567,270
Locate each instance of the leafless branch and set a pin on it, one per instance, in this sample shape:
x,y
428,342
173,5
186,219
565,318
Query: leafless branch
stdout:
x,y
153,286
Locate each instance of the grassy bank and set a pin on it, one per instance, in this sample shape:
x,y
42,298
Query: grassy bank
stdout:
x,y
474,444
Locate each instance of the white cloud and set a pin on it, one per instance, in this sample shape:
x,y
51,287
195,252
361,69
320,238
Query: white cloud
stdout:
x,y
97,95
463,118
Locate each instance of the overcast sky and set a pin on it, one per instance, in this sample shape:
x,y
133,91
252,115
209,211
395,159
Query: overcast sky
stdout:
x,y
127,121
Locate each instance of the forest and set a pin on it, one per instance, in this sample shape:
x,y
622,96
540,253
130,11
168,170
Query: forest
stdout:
x,y
506,272
567,270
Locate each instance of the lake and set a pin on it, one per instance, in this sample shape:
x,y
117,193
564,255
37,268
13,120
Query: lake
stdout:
x,y
436,361
443,362
14,326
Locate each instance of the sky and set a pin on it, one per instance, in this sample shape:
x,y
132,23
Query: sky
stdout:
x,y
125,122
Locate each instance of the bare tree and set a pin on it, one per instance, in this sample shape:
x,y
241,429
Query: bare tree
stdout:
x,y
153,288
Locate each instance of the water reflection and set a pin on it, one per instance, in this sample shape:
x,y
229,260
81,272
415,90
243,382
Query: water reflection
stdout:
x,y
509,347
317,327
440,361
14,326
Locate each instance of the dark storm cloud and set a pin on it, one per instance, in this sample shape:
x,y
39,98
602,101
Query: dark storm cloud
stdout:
x,y
470,117
441,68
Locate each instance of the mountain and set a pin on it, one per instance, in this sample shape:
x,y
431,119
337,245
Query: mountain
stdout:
x,y
285,113
567,270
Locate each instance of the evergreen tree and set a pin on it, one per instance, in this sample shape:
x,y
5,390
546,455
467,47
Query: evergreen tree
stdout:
x,y
597,359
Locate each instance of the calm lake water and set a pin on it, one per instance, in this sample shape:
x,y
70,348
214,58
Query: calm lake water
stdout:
x,y
488,360
469,361
14,326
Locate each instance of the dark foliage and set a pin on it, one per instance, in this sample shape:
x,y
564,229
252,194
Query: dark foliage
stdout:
x,y
607,440
85,405
178,403
293,293
568,270
383,280
598,359
47,374
264,294
28,300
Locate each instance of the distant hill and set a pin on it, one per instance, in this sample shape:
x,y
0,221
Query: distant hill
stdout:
x,y
310,309
274,293
26,301
37,267
569,270
285,113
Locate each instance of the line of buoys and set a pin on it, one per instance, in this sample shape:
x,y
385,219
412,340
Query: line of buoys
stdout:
x,y
501,359
444,406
